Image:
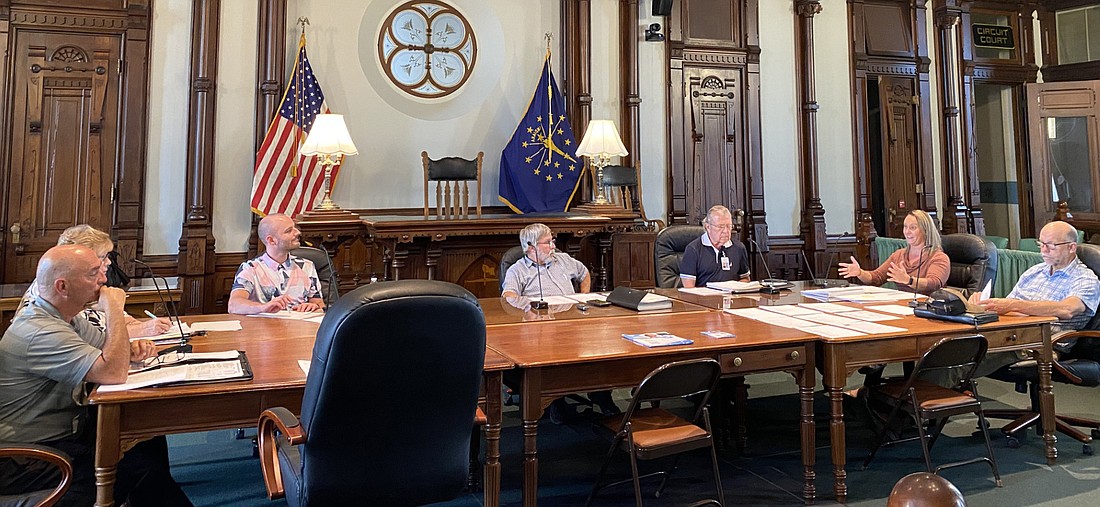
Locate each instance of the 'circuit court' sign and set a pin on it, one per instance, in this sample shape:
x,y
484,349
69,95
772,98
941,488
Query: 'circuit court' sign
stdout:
x,y
994,36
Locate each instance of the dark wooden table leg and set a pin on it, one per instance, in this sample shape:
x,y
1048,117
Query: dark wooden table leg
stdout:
x,y
1046,396
807,429
531,407
107,454
493,408
835,373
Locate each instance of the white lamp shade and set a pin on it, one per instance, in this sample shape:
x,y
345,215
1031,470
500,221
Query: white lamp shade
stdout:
x,y
329,136
601,138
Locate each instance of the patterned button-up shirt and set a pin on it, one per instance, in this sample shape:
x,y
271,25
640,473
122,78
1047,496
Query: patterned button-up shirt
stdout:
x,y
265,279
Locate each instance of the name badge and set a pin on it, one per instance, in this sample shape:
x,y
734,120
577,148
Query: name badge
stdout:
x,y
725,263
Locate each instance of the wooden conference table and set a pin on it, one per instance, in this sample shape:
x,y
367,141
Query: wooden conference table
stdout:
x,y
571,351
274,347
838,358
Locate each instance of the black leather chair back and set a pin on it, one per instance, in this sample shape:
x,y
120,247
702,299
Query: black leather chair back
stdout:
x,y
452,169
669,250
391,395
620,176
330,289
1090,255
512,256
973,261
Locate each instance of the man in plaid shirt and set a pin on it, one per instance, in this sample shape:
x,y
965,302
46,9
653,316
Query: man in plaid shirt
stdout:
x,y
1061,286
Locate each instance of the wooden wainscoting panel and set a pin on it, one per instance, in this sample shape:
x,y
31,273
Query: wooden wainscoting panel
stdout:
x,y
632,260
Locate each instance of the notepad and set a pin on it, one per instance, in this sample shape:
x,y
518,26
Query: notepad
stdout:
x,y
659,339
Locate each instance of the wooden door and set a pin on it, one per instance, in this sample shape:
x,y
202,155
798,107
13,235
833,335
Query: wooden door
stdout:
x,y
64,137
716,174
1064,130
900,178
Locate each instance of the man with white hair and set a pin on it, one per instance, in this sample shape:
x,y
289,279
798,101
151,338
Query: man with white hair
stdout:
x,y
46,357
716,256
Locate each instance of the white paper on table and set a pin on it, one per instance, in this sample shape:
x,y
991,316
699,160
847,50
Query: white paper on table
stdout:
x,y
830,319
986,291
287,314
702,291
870,316
304,365
772,318
894,309
194,372
585,297
221,325
316,319
170,358
874,328
829,307
790,310
831,331
171,334
734,286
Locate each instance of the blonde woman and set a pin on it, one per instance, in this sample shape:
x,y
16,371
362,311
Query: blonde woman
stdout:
x,y
100,243
921,266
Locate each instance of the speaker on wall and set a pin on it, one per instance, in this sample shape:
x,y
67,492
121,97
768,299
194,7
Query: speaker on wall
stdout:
x,y
662,7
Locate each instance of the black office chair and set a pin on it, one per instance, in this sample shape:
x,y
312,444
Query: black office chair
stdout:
x,y
45,497
326,273
669,251
362,439
1080,366
652,433
930,404
512,256
973,262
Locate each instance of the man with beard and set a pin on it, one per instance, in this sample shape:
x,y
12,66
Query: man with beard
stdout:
x,y
276,280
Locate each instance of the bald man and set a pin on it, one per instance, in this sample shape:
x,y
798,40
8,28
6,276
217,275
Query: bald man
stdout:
x,y
1061,286
46,357
276,280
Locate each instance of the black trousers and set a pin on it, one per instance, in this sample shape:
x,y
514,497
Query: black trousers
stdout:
x,y
143,476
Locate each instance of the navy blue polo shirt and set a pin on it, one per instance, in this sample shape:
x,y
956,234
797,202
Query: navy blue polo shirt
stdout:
x,y
703,263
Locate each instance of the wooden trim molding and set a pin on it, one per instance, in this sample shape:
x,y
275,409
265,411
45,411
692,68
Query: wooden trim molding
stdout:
x,y
955,218
812,225
196,245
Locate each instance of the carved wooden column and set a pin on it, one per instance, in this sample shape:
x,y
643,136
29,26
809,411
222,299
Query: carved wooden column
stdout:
x,y
955,217
270,65
576,30
629,128
128,228
196,253
812,226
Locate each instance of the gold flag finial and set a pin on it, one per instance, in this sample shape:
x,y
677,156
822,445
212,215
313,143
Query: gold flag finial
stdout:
x,y
547,36
302,22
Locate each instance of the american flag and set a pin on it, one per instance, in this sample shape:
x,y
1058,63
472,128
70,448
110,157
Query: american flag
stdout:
x,y
283,181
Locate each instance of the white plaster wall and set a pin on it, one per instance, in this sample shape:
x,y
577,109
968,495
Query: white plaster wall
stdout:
x,y
170,35
779,117
833,80
653,75
234,144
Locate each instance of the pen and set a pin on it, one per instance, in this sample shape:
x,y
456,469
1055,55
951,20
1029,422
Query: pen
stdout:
x,y
150,314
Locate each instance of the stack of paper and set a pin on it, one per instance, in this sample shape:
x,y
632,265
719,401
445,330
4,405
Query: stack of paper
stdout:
x,y
659,339
735,286
858,294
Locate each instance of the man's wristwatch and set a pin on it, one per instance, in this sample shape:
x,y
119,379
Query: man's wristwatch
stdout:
x,y
911,280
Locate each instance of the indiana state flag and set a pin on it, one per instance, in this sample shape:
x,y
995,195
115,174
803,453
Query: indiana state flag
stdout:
x,y
539,167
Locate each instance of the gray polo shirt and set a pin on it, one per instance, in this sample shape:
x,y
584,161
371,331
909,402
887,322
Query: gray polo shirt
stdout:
x,y
558,275
43,361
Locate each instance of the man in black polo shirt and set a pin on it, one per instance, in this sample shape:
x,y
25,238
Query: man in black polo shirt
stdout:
x,y
716,256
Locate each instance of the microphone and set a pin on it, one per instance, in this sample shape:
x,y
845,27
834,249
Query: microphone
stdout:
x,y
818,282
832,257
169,306
920,261
767,285
540,304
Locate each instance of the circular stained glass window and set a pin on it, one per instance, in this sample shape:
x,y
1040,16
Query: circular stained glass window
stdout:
x,y
427,49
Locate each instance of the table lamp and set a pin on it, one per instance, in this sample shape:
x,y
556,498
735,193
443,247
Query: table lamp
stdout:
x,y
601,142
328,139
